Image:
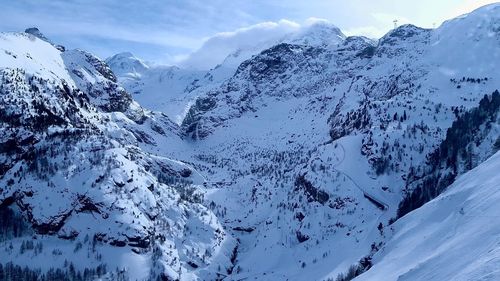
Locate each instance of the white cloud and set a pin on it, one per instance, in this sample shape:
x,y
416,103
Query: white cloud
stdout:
x,y
312,21
248,40
215,49
151,28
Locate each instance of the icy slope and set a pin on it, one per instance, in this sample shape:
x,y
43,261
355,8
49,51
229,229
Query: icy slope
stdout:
x,y
453,237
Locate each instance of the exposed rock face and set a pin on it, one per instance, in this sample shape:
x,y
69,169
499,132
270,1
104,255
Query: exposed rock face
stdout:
x,y
37,33
103,89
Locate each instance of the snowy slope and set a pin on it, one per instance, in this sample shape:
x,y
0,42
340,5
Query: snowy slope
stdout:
x,y
38,57
453,237
158,88
73,171
126,65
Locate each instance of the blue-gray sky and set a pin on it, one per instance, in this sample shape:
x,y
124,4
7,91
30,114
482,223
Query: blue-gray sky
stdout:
x,y
165,31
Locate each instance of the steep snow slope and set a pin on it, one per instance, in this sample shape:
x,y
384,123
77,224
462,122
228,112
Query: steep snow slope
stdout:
x,y
72,169
453,237
37,57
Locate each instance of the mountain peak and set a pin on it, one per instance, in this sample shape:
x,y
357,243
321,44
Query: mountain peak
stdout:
x,y
125,55
37,33
125,64
319,33
403,33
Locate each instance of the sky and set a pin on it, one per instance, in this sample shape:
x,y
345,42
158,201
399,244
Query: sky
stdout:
x,y
171,31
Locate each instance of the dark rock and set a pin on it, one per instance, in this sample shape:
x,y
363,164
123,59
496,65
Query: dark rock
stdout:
x,y
85,204
37,33
138,241
7,201
244,229
185,173
192,264
120,184
50,227
302,237
191,123
300,216
61,48
68,236
118,243
367,52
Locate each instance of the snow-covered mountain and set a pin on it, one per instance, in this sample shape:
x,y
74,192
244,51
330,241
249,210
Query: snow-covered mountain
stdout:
x,y
335,133
172,90
159,88
72,168
302,160
126,65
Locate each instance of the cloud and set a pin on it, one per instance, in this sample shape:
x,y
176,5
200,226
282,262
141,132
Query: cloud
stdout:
x,y
313,20
248,41
168,30
215,49
111,26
